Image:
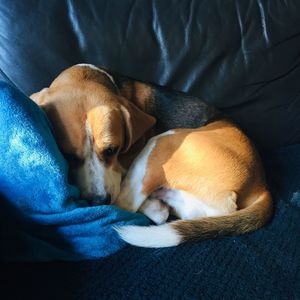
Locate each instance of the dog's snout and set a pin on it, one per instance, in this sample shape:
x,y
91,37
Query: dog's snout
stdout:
x,y
99,200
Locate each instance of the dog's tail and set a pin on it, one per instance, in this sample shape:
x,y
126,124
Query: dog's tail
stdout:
x,y
174,233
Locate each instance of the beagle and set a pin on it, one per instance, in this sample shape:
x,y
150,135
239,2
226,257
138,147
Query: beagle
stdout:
x,y
209,175
101,120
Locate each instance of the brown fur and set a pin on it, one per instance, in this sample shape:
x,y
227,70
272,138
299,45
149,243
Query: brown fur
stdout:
x,y
242,221
217,164
79,94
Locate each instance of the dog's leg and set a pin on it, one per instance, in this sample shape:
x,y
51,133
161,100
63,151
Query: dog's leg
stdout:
x,y
186,206
132,193
155,210
132,196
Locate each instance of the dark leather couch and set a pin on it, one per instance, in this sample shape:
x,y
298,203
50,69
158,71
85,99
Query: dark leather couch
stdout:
x,y
241,56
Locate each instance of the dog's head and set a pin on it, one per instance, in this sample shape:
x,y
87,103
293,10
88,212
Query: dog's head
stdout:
x,y
94,124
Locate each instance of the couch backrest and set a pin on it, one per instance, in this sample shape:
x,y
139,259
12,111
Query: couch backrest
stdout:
x,y
242,56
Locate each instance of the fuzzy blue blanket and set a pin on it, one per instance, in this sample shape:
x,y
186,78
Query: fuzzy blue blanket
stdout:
x,y
41,215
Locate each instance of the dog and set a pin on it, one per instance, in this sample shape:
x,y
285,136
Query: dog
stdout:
x,y
210,177
102,121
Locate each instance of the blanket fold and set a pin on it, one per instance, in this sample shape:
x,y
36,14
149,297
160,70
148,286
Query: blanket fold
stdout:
x,y
41,214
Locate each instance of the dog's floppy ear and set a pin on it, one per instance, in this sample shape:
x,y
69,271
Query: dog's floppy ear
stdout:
x,y
39,97
44,99
137,123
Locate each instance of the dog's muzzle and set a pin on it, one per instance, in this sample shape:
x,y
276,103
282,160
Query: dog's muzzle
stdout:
x,y
98,200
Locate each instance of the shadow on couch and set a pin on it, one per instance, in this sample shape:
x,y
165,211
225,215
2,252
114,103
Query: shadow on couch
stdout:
x,y
264,263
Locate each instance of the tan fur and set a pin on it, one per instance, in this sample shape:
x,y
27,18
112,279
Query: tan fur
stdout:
x,y
81,93
140,94
217,164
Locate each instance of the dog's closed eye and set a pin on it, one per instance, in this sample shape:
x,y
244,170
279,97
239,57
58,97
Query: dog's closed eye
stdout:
x,y
110,151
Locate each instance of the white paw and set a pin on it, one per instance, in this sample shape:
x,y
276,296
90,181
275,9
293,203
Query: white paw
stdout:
x,y
155,210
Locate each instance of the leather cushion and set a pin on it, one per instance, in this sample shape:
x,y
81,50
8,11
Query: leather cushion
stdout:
x,y
242,56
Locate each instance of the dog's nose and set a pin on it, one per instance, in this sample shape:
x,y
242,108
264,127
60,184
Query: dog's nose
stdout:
x,y
107,199
99,200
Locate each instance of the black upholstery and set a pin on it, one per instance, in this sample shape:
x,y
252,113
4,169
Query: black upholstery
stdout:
x,y
242,56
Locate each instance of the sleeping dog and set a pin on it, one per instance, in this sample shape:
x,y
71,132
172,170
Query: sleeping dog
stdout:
x,y
210,175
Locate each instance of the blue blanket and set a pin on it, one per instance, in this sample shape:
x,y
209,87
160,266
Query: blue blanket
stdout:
x,y
264,264
41,215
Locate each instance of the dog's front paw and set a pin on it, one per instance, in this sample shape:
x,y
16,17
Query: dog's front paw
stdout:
x,y
155,210
131,196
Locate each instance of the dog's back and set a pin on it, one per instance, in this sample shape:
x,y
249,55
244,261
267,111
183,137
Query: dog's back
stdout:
x,y
213,178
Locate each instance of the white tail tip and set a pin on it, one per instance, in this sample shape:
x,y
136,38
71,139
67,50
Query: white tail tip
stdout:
x,y
149,236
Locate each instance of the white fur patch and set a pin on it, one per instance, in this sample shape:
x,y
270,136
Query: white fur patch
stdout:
x,y
131,196
187,206
90,176
100,70
149,236
155,210
169,132
93,178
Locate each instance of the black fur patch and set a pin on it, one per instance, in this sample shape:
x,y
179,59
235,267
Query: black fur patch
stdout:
x,y
174,109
